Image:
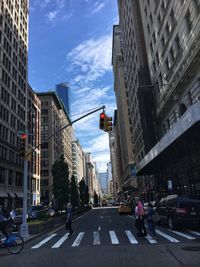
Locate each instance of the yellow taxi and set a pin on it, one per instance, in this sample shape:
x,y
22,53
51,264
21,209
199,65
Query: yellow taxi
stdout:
x,y
124,209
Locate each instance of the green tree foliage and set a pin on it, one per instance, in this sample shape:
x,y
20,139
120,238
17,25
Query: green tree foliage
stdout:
x,y
96,199
82,190
74,193
60,172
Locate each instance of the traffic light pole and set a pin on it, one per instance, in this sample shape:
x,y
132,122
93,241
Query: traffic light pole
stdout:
x,y
24,232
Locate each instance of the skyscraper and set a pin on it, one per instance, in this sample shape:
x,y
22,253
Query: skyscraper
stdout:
x,y
63,92
13,97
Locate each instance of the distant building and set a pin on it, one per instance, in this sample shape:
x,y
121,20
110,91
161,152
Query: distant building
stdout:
x,y
63,92
78,161
53,118
103,179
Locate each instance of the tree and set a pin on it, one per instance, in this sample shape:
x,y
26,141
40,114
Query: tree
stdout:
x,y
96,199
74,193
82,190
60,172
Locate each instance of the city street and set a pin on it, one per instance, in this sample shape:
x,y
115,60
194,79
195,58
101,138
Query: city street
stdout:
x,y
104,238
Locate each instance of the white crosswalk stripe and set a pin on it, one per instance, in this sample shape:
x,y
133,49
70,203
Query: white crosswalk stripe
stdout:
x,y
44,241
60,241
113,237
131,238
183,235
96,238
170,238
194,233
78,239
150,239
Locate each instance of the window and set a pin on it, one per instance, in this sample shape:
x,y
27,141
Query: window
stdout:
x,y
167,64
2,175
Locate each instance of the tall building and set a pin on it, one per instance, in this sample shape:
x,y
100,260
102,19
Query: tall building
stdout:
x,y
78,161
103,179
138,87
172,37
13,97
63,91
34,139
53,118
124,127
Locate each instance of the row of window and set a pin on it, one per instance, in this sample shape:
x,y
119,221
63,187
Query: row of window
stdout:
x,y
10,156
13,177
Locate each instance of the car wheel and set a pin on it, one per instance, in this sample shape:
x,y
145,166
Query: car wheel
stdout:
x,y
171,223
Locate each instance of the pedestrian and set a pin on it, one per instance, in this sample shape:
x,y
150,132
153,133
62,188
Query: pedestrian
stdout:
x,y
69,218
139,222
150,220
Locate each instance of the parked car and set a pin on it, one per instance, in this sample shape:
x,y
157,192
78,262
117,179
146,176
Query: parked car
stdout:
x,y
178,210
35,211
124,209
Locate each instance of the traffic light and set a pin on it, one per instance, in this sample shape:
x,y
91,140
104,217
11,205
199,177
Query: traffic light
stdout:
x,y
23,137
102,120
108,124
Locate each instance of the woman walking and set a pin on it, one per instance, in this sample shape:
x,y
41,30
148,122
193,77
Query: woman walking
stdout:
x,y
139,223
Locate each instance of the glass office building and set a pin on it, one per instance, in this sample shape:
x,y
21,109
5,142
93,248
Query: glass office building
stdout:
x,y
63,92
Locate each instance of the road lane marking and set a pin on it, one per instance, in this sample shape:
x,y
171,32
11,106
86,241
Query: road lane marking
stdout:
x,y
44,241
183,235
99,228
113,237
150,239
131,238
170,238
60,241
195,233
96,238
78,239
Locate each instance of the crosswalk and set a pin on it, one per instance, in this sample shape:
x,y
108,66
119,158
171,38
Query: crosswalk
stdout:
x,y
56,241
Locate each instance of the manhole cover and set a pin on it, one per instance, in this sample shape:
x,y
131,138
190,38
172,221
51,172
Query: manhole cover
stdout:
x,y
191,248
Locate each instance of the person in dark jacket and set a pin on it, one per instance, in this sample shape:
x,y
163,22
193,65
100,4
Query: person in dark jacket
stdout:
x,y
69,218
151,223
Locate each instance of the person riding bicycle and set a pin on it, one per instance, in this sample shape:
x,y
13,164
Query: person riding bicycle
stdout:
x,y
4,219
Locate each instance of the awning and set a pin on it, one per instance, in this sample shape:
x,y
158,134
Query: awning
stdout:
x,y
3,194
19,195
187,121
10,194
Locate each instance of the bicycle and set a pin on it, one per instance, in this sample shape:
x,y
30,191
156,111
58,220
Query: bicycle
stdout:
x,y
14,243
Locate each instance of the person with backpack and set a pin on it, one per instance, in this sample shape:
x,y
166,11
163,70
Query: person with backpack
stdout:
x,y
139,222
151,220
4,220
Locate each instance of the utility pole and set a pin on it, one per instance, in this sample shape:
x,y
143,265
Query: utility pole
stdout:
x,y
24,232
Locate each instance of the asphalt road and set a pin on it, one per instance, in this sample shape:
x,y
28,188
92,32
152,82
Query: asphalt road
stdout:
x,y
102,238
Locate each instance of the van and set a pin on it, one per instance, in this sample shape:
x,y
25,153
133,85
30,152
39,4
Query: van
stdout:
x,y
177,210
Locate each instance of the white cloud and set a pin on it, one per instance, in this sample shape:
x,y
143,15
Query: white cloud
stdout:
x,y
97,8
52,15
92,58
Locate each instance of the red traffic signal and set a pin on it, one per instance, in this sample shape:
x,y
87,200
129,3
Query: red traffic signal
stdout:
x,y
102,121
23,137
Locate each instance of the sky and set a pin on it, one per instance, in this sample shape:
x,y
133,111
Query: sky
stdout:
x,y
71,41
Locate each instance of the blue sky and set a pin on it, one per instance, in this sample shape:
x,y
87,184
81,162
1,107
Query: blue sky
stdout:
x,y
71,41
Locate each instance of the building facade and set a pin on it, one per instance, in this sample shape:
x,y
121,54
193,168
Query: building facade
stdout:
x,y
78,161
124,127
172,37
13,98
34,140
53,118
